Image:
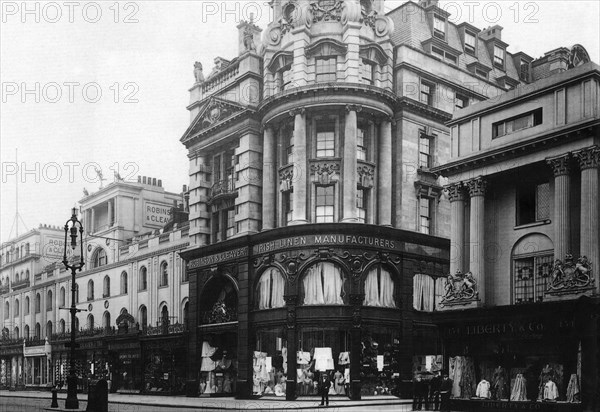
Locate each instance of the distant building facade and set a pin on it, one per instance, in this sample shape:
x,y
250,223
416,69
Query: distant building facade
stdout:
x,y
133,292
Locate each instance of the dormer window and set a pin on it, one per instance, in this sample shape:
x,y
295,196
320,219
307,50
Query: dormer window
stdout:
x,y
439,27
499,57
481,73
470,42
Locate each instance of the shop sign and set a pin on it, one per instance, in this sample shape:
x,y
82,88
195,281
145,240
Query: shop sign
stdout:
x,y
512,406
156,214
518,328
219,257
326,240
123,346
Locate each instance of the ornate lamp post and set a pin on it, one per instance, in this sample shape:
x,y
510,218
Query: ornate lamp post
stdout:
x,y
71,227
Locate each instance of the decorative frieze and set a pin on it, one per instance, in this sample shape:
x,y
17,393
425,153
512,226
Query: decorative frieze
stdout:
x,y
321,12
570,276
561,166
286,178
460,289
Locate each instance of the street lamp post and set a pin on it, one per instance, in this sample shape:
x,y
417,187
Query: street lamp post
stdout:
x,y
71,227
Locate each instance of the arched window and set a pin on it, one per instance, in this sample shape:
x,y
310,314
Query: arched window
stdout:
x,y
27,274
185,312
22,250
123,283
61,326
90,292
49,329
143,278
270,288
16,314
323,285
164,274
26,332
49,301
143,316
62,297
100,258
90,321
38,303
164,315
27,305
17,277
16,334
106,289
17,254
38,331
106,320
532,261
6,310
423,292
379,288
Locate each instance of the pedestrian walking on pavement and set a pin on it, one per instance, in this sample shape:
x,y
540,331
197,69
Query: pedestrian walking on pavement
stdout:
x,y
325,385
445,389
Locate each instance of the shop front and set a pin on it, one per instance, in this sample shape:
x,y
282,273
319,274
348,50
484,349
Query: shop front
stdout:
x,y
11,364
38,364
307,302
125,361
523,357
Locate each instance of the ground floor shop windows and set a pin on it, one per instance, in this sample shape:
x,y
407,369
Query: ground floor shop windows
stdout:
x,y
218,367
322,351
127,371
380,362
36,371
269,363
11,372
165,367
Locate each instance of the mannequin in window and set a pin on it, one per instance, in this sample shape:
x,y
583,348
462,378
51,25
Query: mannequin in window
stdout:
x,y
499,384
550,391
483,389
519,389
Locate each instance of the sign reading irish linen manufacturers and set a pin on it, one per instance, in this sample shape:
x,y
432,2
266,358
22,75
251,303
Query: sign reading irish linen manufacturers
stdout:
x,y
156,214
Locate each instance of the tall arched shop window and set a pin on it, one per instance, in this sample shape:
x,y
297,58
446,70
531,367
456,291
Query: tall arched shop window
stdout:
x,y
270,288
164,315
90,322
379,288
100,258
423,293
6,310
323,284
106,320
532,258
61,326
143,280
185,312
123,283
26,332
164,274
62,297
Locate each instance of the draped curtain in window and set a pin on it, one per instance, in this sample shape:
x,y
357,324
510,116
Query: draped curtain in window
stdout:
x,y
423,292
270,289
323,285
379,288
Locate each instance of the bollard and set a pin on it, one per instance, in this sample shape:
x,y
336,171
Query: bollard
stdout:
x,y
54,397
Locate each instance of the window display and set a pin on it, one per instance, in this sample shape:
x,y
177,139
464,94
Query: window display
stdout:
x,y
218,366
270,363
380,369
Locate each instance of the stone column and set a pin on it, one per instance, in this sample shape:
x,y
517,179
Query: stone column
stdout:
x,y
269,201
562,191
110,213
385,174
300,167
349,170
457,226
477,189
589,162
92,221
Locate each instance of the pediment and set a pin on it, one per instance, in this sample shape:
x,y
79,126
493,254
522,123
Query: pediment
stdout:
x,y
213,112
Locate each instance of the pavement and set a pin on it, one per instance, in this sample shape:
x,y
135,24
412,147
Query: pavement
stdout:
x,y
125,402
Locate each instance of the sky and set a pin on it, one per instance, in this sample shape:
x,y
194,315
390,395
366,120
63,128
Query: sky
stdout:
x,y
104,85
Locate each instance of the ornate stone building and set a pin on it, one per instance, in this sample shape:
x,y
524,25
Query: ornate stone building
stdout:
x,y
314,212
133,293
523,185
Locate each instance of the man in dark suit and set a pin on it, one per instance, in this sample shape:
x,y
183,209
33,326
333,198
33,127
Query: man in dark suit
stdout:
x,y
434,399
419,393
445,391
325,385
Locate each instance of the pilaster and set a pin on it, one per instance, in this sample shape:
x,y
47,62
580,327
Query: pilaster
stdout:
x,y
562,190
385,174
349,165
269,179
300,167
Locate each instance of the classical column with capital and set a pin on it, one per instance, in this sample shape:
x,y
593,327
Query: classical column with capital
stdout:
x,y
385,173
477,189
457,224
268,179
349,173
589,162
300,167
562,190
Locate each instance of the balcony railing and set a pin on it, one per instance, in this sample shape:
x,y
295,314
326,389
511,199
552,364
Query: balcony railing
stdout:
x,y
23,283
165,328
223,187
